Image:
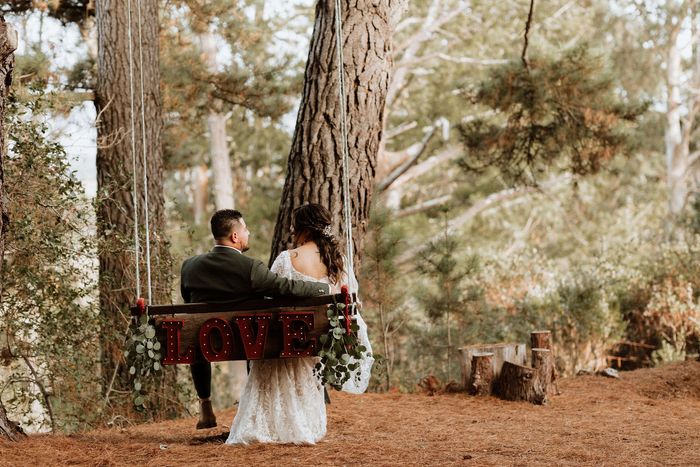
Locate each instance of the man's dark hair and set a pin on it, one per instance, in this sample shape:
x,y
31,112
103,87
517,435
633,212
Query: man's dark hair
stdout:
x,y
223,222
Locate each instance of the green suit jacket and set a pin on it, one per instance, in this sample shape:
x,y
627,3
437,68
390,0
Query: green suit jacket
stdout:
x,y
226,275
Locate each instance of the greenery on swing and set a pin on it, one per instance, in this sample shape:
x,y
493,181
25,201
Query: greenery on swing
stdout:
x,y
340,352
143,355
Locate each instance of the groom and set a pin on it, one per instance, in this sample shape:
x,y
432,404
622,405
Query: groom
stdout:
x,y
226,275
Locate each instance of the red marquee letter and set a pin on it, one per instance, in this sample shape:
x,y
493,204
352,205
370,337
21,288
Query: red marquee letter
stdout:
x,y
172,343
205,344
295,328
254,348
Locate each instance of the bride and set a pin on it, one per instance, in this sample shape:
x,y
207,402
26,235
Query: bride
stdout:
x,y
283,401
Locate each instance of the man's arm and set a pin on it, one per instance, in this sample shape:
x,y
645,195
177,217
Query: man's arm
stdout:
x,y
270,284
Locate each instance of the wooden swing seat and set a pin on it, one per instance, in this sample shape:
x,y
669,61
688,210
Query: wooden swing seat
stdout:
x,y
255,329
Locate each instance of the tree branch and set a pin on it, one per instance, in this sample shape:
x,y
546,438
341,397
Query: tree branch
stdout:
x,y
424,206
404,127
473,211
427,165
526,62
414,152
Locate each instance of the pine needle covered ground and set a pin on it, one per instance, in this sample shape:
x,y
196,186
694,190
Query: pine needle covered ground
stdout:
x,y
648,417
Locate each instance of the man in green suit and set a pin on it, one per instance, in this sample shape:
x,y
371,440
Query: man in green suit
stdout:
x,y
225,274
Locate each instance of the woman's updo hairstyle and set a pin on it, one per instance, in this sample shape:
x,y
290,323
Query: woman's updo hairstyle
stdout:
x,y
313,222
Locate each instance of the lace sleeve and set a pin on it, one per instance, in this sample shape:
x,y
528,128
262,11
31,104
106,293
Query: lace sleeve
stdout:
x,y
282,267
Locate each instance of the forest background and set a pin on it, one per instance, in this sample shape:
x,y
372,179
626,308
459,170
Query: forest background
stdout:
x,y
472,238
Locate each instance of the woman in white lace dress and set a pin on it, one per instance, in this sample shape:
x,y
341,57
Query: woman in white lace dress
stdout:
x,y
283,401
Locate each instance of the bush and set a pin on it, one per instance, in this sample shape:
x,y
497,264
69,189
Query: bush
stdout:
x,y
48,319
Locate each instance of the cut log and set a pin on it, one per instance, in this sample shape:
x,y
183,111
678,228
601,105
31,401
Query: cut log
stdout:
x,y
543,362
503,352
520,383
482,374
541,340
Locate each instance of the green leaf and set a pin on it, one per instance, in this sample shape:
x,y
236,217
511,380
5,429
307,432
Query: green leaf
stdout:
x,y
156,346
150,332
149,344
143,319
150,354
337,333
126,353
132,370
140,348
137,385
138,401
323,338
156,366
330,313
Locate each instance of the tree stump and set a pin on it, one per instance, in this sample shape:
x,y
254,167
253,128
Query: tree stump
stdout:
x,y
520,383
543,362
543,340
481,374
502,352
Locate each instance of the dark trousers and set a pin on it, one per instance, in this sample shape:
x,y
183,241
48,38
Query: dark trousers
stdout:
x,y
201,376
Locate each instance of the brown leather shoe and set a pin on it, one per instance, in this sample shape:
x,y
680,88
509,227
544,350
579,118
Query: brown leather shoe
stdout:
x,y
207,419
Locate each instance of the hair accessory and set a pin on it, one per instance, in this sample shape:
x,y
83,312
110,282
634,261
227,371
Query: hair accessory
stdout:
x,y
327,231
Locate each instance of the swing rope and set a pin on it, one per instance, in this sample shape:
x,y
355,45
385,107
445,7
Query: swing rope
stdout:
x,y
347,213
135,198
145,166
133,156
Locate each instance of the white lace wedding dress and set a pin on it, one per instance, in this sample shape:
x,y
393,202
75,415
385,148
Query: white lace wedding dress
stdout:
x,y
282,401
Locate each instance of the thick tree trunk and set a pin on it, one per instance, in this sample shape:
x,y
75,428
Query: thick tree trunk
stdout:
x,y
314,171
8,43
116,212
676,150
218,143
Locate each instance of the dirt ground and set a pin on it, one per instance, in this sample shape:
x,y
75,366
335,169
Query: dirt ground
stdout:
x,y
648,417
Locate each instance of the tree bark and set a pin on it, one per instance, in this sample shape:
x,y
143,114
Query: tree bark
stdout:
x,y
116,213
8,44
314,169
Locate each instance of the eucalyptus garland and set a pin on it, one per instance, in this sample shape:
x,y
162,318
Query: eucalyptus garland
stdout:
x,y
340,352
143,355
